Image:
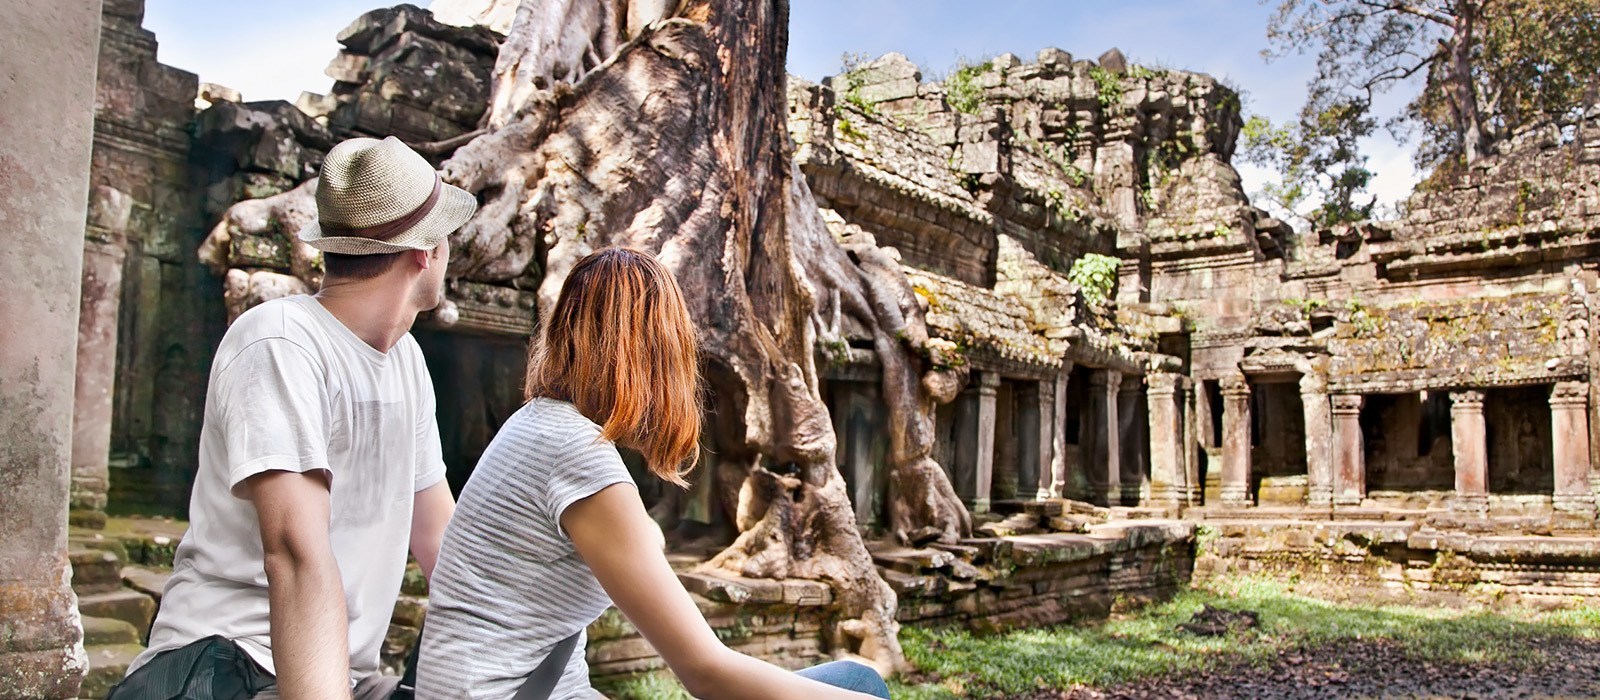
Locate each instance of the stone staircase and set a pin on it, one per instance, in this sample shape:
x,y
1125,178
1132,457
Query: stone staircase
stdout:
x,y
117,599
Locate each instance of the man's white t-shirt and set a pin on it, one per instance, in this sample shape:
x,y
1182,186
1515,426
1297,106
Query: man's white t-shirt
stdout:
x,y
293,389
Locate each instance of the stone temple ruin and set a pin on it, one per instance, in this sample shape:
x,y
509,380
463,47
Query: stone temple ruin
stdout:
x,y
1405,402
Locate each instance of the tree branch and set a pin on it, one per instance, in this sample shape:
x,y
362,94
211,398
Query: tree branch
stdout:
x,y
1443,17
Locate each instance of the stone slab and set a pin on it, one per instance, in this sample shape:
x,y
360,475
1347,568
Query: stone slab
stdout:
x,y
151,582
107,666
102,631
129,606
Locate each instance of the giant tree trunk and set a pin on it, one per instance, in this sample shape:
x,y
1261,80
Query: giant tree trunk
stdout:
x,y
676,142
678,145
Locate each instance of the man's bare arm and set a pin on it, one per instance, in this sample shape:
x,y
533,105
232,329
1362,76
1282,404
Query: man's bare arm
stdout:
x,y
310,628
430,513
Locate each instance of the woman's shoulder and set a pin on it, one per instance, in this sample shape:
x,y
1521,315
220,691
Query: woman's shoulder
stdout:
x,y
557,427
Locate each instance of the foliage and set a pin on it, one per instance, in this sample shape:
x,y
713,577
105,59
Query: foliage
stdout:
x,y
660,685
1321,175
1363,323
961,88
1150,644
1306,306
848,130
1095,275
1487,68
1108,86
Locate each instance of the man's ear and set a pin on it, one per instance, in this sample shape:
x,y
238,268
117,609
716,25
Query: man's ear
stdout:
x,y
423,258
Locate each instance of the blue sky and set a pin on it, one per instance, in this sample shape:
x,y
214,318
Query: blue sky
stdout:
x,y
274,50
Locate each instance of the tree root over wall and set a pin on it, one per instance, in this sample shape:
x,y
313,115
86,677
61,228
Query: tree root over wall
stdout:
x,y
676,143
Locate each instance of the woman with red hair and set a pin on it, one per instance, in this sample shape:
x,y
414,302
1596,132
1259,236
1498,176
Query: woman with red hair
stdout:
x,y
550,530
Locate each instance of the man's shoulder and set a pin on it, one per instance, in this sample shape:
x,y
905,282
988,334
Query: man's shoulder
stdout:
x,y
285,319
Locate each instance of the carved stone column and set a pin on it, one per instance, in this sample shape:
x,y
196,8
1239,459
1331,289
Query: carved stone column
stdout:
x,y
988,383
1469,445
1168,468
1236,441
104,251
1319,438
47,104
1569,437
1058,437
1349,451
1104,385
1131,424
1046,396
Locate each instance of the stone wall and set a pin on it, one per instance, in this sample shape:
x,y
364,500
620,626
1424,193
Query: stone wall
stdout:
x,y
1407,557
989,584
152,316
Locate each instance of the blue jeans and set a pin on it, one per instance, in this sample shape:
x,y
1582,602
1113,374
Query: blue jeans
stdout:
x,y
848,675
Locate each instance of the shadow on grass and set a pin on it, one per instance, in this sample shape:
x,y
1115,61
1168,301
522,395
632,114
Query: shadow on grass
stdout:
x,y
1149,643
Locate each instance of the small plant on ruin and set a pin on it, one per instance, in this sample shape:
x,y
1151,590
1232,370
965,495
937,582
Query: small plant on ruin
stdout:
x,y
848,130
1096,277
1306,306
1108,86
1362,322
961,88
854,79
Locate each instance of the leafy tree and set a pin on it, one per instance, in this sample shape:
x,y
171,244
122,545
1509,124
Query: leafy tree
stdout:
x,y
1487,68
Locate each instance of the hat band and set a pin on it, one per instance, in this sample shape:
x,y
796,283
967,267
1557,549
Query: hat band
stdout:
x,y
386,231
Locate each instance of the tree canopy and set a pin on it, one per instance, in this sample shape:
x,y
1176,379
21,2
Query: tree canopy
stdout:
x,y
1482,71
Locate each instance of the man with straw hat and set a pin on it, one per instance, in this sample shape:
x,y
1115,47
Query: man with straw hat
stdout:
x,y
319,452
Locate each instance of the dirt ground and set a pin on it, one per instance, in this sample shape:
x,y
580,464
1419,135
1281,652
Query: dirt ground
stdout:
x,y
1570,669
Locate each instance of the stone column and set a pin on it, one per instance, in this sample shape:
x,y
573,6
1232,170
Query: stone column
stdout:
x,y
1131,427
1046,396
1168,468
1104,385
1569,437
988,383
104,250
1058,439
1190,397
1319,438
1469,445
47,117
1349,451
1236,441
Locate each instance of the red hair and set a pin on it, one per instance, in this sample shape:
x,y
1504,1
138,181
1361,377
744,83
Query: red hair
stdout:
x,y
620,346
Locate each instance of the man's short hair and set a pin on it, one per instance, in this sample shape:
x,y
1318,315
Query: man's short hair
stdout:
x,y
358,267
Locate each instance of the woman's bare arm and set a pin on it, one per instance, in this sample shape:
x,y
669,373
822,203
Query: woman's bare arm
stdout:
x,y
622,546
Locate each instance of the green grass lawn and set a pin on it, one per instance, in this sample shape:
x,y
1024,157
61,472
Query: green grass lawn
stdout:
x,y
1147,643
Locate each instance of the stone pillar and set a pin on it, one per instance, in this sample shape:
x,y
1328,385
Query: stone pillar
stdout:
x,y
1191,396
1469,445
47,117
1104,386
1058,449
1168,468
1319,438
1049,424
1135,443
1349,451
1236,441
104,250
988,383
1569,437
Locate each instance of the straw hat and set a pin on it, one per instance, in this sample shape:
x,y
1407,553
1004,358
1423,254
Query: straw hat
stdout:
x,y
381,197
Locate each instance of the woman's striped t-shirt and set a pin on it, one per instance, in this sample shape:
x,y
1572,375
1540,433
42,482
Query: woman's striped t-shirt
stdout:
x,y
508,585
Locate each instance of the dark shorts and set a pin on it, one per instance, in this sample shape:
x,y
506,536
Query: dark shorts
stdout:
x,y
216,668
